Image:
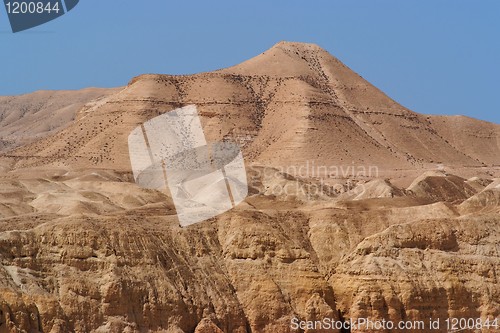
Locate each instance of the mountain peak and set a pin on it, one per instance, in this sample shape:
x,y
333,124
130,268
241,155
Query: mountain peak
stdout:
x,y
299,46
285,59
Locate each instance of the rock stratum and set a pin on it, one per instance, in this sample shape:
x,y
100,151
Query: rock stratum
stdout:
x,y
357,207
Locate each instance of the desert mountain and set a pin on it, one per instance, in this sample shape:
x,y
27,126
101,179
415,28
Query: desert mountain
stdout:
x,y
85,249
289,106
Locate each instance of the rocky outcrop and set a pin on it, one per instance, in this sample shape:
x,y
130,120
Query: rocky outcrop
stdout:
x,y
253,269
437,186
486,201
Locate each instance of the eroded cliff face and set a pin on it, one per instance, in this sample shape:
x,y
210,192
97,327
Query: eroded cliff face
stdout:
x,y
137,271
131,268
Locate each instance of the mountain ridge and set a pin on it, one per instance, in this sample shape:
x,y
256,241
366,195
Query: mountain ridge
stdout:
x,y
279,105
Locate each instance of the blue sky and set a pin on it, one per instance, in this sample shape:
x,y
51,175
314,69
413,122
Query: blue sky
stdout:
x,y
434,57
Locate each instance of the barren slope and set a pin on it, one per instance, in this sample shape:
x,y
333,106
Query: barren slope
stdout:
x,y
25,118
476,138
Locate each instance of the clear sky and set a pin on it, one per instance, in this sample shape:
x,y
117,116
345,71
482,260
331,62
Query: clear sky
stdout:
x,y
432,56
